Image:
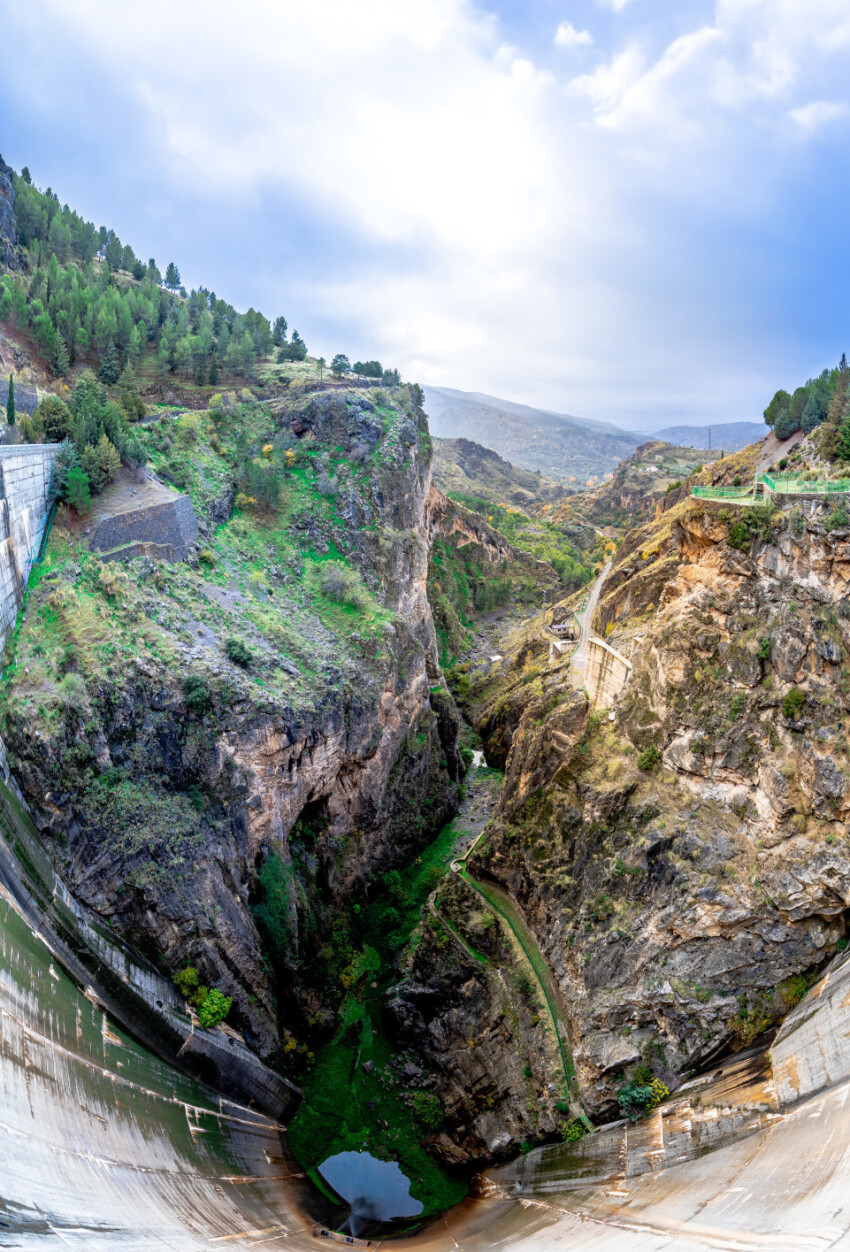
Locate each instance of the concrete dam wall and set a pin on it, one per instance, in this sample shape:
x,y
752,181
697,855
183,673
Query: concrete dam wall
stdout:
x,y
24,479
606,672
104,1145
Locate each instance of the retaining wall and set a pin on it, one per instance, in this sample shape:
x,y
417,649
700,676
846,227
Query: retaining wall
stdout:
x,y
172,526
24,479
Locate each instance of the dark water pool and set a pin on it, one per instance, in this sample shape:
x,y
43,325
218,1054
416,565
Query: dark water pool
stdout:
x,y
374,1189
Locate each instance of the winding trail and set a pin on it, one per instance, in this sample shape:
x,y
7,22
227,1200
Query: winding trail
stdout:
x,y
507,911
505,908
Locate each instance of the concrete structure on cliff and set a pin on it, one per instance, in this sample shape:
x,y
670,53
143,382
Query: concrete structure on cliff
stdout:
x,y
24,480
595,667
606,672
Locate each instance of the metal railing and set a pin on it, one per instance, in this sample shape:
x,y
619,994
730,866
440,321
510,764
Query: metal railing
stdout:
x,y
723,493
37,551
795,484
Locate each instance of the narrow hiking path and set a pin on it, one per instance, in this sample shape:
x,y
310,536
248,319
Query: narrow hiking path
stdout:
x,y
505,909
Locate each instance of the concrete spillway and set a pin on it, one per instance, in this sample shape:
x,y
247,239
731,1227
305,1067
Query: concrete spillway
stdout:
x,y
103,1145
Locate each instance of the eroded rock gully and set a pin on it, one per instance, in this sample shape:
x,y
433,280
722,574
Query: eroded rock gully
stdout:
x,y
683,907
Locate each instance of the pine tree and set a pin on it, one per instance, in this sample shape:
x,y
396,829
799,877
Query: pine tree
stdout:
x,y
131,402
108,460
10,403
108,372
838,403
59,363
784,425
213,372
172,276
135,346
78,490
811,415
844,441
780,401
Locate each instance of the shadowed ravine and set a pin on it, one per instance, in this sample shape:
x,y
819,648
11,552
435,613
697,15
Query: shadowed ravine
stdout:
x,y
104,1145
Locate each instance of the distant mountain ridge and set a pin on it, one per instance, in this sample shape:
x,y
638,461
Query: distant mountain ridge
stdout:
x,y
730,436
559,445
465,468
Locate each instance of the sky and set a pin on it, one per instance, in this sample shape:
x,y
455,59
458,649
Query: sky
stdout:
x,y
630,210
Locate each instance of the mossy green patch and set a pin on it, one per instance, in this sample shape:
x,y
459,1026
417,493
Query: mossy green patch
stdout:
x,y
353,1090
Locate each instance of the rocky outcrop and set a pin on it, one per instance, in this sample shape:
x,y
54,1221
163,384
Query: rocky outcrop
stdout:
x,y
161,802
447,519
684,905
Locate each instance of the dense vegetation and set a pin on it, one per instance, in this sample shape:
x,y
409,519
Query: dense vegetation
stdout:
x,y
821,401
541,538
95,437
354,1099
91,298
464,582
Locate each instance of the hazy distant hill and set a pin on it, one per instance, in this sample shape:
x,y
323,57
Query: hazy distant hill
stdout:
x,y
640,481
465,468
556,444
730,436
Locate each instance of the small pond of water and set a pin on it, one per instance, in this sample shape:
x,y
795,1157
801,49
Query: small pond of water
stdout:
x,y
375,1190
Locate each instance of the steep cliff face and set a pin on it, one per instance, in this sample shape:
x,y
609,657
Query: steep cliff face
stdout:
x,y
683,861
183,794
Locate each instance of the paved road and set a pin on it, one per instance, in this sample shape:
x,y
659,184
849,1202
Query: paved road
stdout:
x,y
585,618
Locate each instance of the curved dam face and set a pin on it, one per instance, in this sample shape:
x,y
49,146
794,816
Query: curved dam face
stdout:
x,y
103,1145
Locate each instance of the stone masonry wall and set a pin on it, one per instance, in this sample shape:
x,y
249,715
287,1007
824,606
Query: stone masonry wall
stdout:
x,y
24,479
171,525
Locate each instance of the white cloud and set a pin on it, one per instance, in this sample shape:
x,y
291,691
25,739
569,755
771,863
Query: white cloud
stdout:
x,y
397,118
616,6
566,36
819,113
756,57
494,232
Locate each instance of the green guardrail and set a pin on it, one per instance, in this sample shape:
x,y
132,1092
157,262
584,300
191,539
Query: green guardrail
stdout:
x,y
722,493
795,484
